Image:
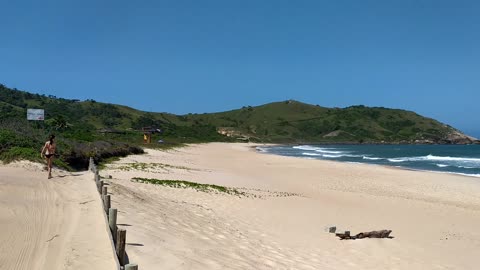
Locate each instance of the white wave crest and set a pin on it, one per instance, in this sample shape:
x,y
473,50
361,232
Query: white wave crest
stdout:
x,y
467,174
442,165
453,160
371,158
328,155
332,156
260,149
322,150
311,154
306,147
431,157
466,167
397,159
318,149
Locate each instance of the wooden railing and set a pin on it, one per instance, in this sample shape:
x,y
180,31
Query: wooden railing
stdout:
x,y
117,236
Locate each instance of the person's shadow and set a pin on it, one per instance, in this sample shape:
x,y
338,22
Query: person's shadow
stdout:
x,y
66,175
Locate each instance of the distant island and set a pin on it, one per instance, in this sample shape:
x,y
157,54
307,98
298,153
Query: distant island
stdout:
x,y
89,127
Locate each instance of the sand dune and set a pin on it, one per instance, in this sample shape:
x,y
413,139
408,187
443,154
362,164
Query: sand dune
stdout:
x,y
434,217
51,223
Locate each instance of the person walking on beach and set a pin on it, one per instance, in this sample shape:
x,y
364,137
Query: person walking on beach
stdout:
x,y
48,152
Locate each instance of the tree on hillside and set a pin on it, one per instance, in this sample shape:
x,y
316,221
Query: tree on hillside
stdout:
x,y
59,123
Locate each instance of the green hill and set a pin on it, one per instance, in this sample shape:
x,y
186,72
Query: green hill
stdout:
x,y
292,121
90,128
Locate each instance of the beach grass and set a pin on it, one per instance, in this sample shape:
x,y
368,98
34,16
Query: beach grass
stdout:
x,y
187,184
141,166
19,153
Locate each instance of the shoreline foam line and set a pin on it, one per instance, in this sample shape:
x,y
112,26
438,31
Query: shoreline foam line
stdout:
x,y
306,156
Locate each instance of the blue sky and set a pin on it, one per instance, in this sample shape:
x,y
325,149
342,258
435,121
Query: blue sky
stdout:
x,y
205,56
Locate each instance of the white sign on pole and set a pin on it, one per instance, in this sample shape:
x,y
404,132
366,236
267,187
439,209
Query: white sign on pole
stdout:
x,y
35,114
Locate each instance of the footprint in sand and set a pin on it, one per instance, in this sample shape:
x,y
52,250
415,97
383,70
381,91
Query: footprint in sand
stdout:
x,y
190,231
269,263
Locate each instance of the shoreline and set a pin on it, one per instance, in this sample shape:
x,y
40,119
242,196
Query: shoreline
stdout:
x,y
255,148
370,143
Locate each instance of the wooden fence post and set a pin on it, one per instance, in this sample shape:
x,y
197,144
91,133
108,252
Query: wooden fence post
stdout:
x,y
100,186
120,246
119,235
104,191
131,266
107,203
112,222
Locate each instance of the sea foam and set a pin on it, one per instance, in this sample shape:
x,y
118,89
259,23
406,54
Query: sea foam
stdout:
x,y
371,158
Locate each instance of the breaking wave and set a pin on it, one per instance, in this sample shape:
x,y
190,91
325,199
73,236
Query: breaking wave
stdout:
x,y
439,158
447,159
318,149
442,165
372,158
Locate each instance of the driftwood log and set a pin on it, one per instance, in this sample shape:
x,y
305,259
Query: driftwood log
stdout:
x,y
373,234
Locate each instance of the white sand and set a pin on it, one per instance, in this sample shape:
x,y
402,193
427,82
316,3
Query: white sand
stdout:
x,y
434,217
51,223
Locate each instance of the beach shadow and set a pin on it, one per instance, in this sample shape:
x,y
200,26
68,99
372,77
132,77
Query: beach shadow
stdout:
x,y
126,225
389,237
135,244
127,259
65,175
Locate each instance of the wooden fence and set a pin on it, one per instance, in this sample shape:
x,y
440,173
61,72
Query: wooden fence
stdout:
x,y
117,235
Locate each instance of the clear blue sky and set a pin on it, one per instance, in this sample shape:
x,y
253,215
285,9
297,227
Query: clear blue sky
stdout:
x,y
204,56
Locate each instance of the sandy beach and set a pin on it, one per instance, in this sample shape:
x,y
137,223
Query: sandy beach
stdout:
x,y
51,223
280,222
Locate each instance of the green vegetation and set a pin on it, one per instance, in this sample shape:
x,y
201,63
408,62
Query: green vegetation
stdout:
x,y
147,166
19,153
296,122
92,129
187,184
90,120
22,140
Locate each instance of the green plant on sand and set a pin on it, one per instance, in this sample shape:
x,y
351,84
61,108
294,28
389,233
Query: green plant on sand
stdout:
x,y
188,184
147,166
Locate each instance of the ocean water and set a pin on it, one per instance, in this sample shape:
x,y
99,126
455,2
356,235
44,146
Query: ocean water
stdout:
x,y
458,159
